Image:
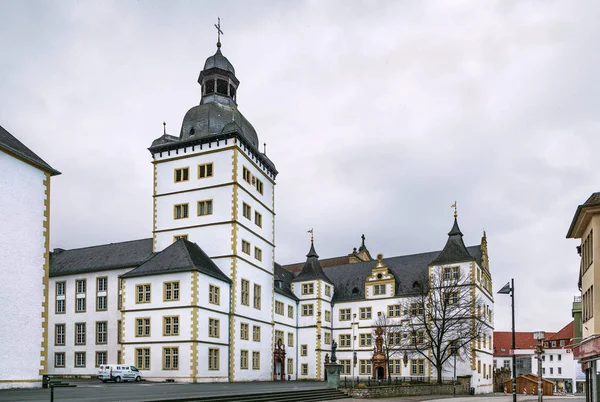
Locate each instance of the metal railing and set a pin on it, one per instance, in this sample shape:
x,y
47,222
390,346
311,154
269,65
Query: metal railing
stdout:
x,y
370,382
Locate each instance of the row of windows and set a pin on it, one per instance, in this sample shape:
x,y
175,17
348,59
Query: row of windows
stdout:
x,y
308,310
587,251
171,326
245,332
245,293
171,293
246,250
394,339
79,359
551,357
170,358
279,308
253,180
365,367
244,360
80,331
183,174
366,313
81,295
588,303
247,213
279,338
309,289
554,343
181,211
485,340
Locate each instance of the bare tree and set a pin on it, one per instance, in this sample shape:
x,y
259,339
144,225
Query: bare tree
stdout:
x,y
391,334
444,315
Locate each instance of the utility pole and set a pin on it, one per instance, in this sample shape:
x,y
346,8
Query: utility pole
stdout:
x,y
539,351
509,288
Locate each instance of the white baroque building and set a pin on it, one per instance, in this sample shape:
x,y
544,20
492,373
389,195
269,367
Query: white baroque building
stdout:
x,y
204,300
24,267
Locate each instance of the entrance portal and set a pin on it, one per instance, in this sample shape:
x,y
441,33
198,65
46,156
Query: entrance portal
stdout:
x,y
380,373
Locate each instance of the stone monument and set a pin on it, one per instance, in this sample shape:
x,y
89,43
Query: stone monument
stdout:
x,y
333,369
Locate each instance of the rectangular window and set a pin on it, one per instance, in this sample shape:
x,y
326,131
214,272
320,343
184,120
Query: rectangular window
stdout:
x,y
180,211
213,359
365,313
345,341
278,307
119,329
101,289
345,314
417,367
101,358
171,358
394,310
395,366
244,359
142,327
61,288
450,298
213,328
245,247
345,367
245,292
365,340
79,359
327,290
247,210
257,253
258,219
101,332
303,350
182,174
290,339
365,367
171,291
327,338
205,170
418,337
308,288
256,333
551,370
59,359
394,338
559,357
171,325
259,186
257,296
244,331
205,207
291,311
278,337
60,306
304,369
307,309
479,366
214,294
327,316
379,290
255,360
246,174
143,293
560,370
80,286
59,334
142,358
416,309
80,333
290,366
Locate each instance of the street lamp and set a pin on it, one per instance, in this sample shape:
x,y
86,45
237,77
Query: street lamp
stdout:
x,y
509,288
353,352
539,336
453,349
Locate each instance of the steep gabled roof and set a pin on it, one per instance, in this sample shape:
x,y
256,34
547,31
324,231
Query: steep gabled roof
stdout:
x,y
592,201
181,256
454,250
312,268
15,147
285,278
128,254
566,333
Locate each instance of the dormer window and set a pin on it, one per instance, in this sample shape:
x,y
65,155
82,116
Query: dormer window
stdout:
x,y
222,87
379,290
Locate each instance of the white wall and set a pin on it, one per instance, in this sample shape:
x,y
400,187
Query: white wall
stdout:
x,y
22,258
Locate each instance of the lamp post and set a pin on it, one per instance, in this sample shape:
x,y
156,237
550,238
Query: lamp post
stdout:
x,y
509,288
353,352
453,349
539,336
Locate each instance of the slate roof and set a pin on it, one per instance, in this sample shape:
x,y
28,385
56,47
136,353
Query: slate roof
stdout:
x,y
219,61
181,256
592,201
325,263
312,269
13,146
349,279
286,278
107,256
455,249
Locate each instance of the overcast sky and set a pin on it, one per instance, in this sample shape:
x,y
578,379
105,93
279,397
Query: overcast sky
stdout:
x,y
378,116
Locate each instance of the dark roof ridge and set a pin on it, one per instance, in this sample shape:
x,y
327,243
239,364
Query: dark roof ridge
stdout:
x,y
100,245
455,250
12,145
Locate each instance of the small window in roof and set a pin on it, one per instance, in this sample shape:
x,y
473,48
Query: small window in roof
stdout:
x,y
355,291
416,284
222,87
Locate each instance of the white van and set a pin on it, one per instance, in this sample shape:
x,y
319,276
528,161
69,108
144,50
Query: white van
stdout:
x,y
118,373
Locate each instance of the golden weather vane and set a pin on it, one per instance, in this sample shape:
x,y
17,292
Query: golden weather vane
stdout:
x,y
312,235
219,32
455,209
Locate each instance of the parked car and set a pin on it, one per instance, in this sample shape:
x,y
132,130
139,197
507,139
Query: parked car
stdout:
x,y
118,373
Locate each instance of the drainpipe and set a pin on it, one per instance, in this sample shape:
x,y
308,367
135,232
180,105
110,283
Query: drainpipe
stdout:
x,y
229,335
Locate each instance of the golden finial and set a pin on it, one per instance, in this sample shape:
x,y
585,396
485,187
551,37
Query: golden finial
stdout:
x,y
455,209
312,236
380,257
219,32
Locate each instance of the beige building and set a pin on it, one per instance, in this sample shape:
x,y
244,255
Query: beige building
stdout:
x,y
585,222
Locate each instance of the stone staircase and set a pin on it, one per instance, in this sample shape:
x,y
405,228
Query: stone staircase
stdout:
x,y
313,395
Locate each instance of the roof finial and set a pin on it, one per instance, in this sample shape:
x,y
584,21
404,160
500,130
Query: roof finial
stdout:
x,y
312,235
363,240
219,32
164,127
455,209
265,148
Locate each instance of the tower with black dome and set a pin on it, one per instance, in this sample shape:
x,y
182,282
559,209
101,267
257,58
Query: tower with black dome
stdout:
x,y
214,187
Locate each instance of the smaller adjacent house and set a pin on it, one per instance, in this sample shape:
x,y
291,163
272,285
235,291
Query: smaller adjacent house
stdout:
x,y
558,364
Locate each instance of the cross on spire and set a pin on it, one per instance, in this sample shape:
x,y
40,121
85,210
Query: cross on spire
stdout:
x,y
219,32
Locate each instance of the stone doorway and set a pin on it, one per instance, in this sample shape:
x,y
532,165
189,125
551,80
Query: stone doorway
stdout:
x,y
279,362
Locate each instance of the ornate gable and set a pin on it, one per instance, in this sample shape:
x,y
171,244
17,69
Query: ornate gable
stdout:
x,y
381,282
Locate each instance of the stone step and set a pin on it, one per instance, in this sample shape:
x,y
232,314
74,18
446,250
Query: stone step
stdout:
x,y
314,395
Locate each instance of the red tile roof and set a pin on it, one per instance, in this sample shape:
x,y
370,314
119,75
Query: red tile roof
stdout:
x,y
565,333
524,340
